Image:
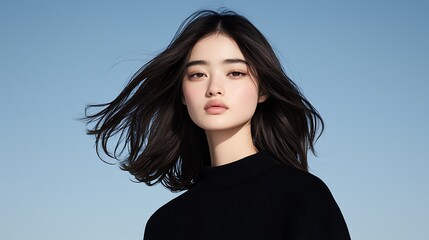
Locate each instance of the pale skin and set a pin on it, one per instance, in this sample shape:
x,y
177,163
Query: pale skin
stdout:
x,y
221,96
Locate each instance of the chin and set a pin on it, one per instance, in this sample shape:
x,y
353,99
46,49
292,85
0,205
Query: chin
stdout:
x,y
223,127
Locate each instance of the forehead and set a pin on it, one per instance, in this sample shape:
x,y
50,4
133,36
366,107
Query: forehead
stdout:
x,y
215,47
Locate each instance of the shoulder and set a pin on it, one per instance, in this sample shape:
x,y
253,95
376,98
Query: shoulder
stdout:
x,y
297,182
174,206
307,190
315,213
306,182
167,216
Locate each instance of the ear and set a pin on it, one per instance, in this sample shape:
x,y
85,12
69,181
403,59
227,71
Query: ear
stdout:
x,y
183,100
262,98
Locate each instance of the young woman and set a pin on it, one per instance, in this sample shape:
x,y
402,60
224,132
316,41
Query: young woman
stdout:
x,y
215,114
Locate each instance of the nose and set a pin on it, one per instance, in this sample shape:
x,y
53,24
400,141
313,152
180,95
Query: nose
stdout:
x,y
214,92
215,88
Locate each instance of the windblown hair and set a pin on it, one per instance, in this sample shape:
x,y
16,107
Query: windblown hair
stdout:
x,y
156,140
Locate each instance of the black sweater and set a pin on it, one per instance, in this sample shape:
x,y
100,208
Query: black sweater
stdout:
x,y
256,197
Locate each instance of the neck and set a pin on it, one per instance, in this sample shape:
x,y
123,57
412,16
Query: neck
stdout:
x,y
230,145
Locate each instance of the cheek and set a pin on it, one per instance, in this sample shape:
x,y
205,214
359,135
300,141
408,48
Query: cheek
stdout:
x,y
191,98
188,94
248,94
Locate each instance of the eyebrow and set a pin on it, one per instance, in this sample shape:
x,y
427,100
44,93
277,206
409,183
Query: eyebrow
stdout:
x,y
226,61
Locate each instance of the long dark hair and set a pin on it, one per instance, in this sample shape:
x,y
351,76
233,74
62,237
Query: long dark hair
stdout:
x,y
155,139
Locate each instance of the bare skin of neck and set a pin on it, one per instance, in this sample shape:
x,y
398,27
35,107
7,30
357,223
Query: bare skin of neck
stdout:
x,y
230,145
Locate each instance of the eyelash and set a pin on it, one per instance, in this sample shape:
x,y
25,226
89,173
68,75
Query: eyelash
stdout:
x,y
200,75
241,74
194,75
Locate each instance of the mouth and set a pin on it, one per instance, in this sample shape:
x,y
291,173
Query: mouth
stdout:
x,y
215,107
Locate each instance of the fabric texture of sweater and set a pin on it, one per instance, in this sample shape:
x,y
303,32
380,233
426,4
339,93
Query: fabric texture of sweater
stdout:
x,y
256,197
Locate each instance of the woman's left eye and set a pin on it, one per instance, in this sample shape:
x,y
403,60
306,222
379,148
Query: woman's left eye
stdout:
x,y
236,74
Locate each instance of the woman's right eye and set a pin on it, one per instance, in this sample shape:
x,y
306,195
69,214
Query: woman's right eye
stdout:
x,y
196,75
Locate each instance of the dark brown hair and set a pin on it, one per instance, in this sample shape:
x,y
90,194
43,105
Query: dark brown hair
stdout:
x,y
155,139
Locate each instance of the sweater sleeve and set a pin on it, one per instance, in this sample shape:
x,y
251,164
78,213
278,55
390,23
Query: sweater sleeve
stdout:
x,y
316,215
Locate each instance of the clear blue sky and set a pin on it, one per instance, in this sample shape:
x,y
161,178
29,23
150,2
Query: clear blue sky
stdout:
x,y
363,64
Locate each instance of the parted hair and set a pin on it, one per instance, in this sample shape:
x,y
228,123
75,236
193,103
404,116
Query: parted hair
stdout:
x,y
155,140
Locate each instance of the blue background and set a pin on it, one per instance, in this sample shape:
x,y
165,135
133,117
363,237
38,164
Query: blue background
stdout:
x,y
363,64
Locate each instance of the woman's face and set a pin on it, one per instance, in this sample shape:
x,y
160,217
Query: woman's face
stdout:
x,y
219,91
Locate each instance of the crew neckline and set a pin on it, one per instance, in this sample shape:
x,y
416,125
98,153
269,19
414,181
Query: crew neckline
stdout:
x,y
237,172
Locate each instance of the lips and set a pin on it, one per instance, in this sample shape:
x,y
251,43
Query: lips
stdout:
x,y
215,107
